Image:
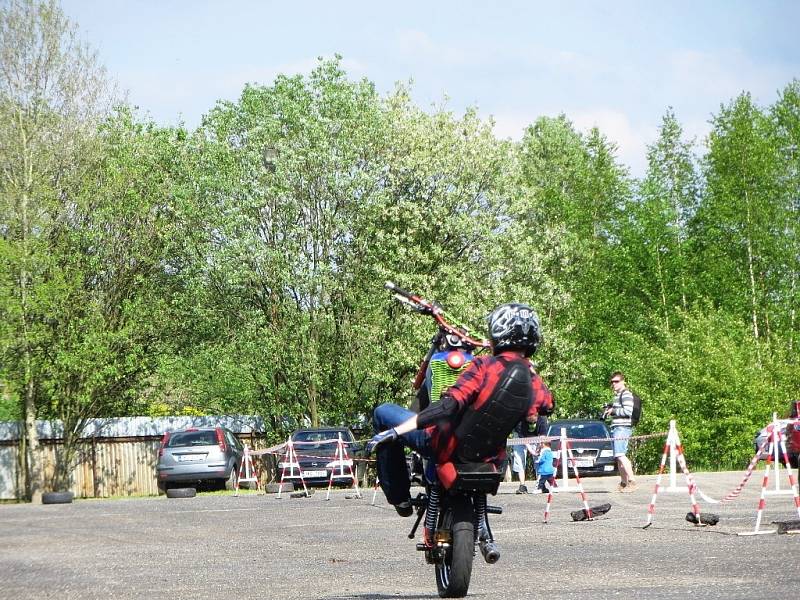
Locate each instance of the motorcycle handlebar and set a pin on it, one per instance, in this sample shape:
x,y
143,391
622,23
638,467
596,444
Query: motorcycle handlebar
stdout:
x,y
392,287
424,306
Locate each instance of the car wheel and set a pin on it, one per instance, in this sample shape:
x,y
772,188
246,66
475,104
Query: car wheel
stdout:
x,y
230,482
57,497
181,493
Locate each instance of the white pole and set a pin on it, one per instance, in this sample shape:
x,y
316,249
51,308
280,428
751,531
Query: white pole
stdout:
x,y
673,451
776,450
562,453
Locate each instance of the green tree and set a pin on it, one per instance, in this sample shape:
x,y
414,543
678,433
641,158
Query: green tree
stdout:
x,y
109,283
570,209
785,115
737,243
706,376
548,242
52,94
668,198
270,237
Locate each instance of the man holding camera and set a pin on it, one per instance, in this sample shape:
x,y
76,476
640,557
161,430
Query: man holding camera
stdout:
x,y
620,412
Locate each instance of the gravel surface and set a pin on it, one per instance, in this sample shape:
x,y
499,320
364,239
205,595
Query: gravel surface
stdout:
x,y
257,546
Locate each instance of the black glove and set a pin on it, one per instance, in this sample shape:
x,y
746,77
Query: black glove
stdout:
x,y
383,437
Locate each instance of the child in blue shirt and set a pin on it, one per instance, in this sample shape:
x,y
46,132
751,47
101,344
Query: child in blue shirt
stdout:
x,y
544,468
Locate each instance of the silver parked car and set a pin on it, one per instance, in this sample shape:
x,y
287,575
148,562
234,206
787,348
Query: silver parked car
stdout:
x,y
194,457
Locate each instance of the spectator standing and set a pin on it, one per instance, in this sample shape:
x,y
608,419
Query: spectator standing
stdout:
x,y
518,460
620,411
545,469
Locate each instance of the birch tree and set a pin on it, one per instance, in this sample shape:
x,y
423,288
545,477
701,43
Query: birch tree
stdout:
x,y
52,94
737,243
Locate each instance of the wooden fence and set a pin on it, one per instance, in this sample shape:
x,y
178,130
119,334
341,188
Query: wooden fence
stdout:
x,y
106,467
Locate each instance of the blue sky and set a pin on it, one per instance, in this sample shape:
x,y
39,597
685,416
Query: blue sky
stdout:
x,y
617,65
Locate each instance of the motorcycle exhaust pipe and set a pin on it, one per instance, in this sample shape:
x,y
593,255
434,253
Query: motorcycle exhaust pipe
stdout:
x,y
490,551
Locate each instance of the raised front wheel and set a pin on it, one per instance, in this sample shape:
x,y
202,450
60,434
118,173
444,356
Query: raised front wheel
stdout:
x,y
454,572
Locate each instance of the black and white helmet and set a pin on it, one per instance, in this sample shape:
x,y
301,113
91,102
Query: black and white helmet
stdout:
x,y
514,326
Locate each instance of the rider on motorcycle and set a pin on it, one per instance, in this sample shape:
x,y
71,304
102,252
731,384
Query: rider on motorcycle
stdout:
x,y
472,419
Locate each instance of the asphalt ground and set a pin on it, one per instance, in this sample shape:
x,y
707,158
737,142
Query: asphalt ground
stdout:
x,y
257,546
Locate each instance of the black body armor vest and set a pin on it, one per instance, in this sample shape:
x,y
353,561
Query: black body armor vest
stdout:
x,y
485,429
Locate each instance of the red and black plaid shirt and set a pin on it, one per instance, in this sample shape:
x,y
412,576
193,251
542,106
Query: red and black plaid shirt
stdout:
x,y
474,387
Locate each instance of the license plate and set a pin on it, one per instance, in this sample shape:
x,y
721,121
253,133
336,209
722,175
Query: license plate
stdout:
x,y
322,473
586,462
191,457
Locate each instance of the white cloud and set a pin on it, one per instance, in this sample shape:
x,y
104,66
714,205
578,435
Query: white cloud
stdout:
x,y
413,42
191,94
631,140
419,48
723,75
512,124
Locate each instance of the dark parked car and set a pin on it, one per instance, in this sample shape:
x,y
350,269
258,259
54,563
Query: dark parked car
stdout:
x,y
593,451
316,452
194,457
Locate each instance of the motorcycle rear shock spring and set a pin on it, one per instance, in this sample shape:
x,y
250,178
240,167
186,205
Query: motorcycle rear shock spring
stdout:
x,y
432,514
482,530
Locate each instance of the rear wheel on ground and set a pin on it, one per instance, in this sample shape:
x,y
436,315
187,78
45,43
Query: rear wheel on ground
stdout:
x,y
453,574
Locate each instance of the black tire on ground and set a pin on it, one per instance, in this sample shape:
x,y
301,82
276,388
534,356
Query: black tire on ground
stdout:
x,y
272,488
453,575
57,497
230,482
582,515
181,492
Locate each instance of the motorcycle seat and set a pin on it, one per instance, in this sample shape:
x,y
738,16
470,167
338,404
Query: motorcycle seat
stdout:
x,y
469,477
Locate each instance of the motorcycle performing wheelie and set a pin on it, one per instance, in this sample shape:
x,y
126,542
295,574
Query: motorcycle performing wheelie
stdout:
x,y
462,434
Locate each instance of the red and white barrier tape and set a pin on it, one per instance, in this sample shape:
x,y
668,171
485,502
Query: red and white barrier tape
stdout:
x,y
539,439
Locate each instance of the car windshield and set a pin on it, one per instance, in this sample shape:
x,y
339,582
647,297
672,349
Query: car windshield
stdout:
x,y
319,440
192,438
580,430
